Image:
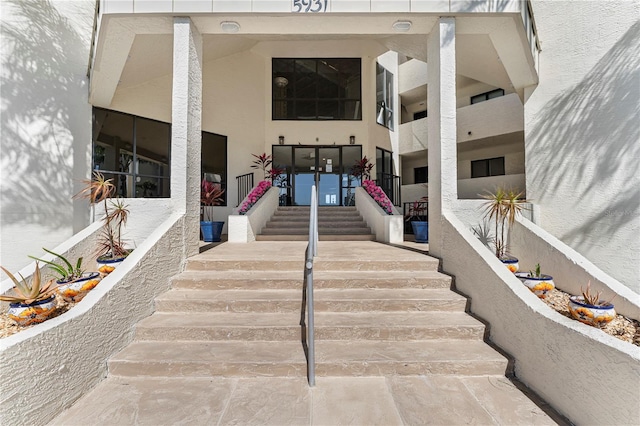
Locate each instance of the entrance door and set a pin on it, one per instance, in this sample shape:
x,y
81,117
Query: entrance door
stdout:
x,y
326,166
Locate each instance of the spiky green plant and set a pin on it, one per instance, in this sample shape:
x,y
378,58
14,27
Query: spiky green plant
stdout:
x,y
503,206
69,273
29,292
536,272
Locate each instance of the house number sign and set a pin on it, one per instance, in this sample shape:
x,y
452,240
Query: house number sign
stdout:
x,y
309,6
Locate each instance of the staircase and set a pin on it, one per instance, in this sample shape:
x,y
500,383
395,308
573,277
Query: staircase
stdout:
x,y
380,311
291,223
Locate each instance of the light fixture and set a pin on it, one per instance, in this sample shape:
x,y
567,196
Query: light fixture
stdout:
x,y
352,140
280,82
281,140
230,26
401,26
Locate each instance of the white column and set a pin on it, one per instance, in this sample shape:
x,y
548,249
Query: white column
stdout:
x,y
441,103
186,128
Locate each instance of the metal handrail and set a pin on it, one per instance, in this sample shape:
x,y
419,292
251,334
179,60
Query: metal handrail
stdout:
x,y
244,183
311,252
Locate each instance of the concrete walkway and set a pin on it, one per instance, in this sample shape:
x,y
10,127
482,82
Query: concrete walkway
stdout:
x,y
279,401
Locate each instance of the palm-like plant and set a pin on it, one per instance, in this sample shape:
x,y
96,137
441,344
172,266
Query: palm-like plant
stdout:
x,y
262,162
210,195
503,206
29,292
362,169
100,190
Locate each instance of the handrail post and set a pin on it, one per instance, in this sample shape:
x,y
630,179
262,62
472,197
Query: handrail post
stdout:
x,y
312,251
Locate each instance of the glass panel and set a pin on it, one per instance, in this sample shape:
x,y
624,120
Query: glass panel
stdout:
x,y
328,79
351,110
213,163
328,110
114,132
282,160
283,110
479,168
153,140
306,83
150,187
329,190
495,94
283,77
496,166
306,110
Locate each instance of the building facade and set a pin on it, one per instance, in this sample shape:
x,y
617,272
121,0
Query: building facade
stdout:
x,y
458,95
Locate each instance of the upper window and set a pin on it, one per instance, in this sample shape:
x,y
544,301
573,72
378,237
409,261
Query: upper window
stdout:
x,y
316,89
487,167
487,95
133,151
421,174
384,97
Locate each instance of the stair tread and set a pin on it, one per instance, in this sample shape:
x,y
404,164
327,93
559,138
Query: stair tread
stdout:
x,y
327,351
320,295
318,275
322,319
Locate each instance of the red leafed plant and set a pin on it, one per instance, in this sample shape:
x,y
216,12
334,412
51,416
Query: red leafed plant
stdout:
x,y
210,195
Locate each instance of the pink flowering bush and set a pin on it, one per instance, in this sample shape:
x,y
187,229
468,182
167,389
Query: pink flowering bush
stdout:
x,y
253,197
378,195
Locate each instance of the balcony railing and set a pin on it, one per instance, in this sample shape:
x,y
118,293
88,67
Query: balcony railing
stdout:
x,y
391,185
244,184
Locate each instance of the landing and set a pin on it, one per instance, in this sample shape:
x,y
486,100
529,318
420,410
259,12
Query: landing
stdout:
x,y
409,400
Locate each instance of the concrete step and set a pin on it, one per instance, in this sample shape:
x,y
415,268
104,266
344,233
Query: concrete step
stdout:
x,y
321,219
286,359
253,326
320,208
321,237
321,225
322,230
332,256
326,300
222,280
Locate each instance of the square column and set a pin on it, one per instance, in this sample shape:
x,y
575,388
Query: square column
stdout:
x,y
186,136
441,104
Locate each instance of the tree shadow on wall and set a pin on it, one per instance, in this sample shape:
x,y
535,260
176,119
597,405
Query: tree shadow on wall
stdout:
x,y
41,102
595,125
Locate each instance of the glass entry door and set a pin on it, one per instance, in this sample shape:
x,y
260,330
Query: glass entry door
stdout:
x,y
326,166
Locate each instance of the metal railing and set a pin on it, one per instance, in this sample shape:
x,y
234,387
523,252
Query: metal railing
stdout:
x,y
308,339
391,185
245,185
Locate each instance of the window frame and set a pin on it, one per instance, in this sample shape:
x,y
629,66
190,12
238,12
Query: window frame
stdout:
x,y
384,113
136,156
482,97
490,172
340,100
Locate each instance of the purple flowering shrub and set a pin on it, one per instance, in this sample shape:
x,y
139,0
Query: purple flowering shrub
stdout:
x,y
253,197
378,195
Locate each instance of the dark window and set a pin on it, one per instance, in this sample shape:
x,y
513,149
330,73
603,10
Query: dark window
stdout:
x,y
134,152
421,175
213,165
487,167
384,161
487,95
316,89
420,114
384,97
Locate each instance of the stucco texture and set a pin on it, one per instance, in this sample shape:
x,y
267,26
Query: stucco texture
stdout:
x,y
582,132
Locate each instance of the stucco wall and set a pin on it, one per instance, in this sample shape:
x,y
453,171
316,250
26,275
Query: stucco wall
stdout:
x,y
585,374
67,355
582,131
45,125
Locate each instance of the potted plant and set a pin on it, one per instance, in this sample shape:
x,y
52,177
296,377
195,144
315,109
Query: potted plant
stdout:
x,y
261,162
31,302
503,206
111,249
210,195
418,217
591,309
540,284
73,282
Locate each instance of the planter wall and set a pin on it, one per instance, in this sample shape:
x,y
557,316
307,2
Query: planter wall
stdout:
x,y
549,348
91,332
